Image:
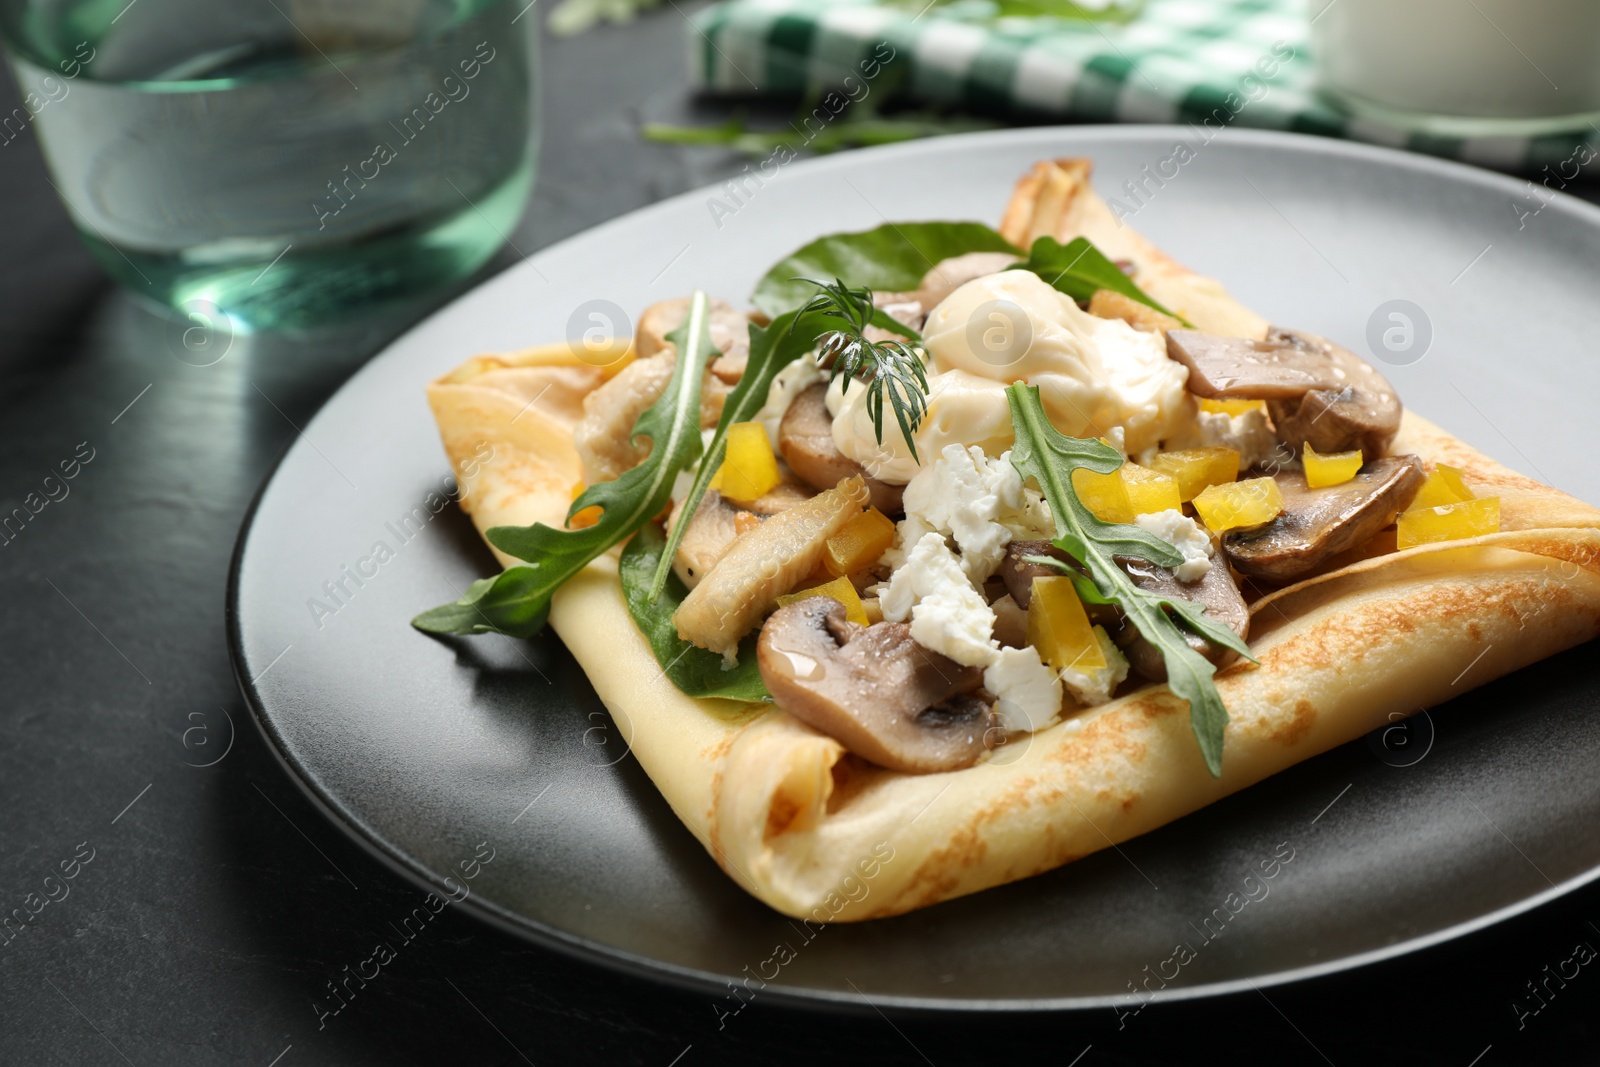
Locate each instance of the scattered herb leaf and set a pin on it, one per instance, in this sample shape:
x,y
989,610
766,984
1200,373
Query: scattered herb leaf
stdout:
x,y
1049,457
695,671
891,368
988,11
517,601
1078,268
849,130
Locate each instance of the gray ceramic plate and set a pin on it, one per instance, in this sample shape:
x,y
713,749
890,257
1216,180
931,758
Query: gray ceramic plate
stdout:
x,y
420,748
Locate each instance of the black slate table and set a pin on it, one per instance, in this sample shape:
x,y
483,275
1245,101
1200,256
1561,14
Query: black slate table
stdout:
x,y
211,904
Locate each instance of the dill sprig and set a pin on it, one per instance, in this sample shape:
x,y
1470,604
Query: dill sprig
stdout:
x,y
889,368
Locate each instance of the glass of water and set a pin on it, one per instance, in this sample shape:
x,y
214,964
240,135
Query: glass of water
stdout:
x,y
285,162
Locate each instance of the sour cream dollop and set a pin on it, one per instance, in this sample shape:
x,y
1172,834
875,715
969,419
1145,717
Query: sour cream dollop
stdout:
x,y
1094,376
963,409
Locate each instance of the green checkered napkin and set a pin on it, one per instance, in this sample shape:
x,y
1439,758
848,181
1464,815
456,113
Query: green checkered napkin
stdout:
x,y
1183,61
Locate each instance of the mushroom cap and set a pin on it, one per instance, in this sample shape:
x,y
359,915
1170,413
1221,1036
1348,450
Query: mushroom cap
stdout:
x,y
805,439
874,689
1363,412
1246,369
1216,591
1317,524
1315,390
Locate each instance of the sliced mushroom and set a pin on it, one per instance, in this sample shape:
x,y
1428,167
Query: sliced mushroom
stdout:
x,y
1319,523
1362,413
874,689
1010,622
730,333
1216,592
717,522
1242,368
1316,391
1018,573
1110,304
908,311
948,275
805,438
761,565
604,436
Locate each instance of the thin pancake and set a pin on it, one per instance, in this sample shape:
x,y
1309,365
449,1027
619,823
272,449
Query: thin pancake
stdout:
x,y
819,834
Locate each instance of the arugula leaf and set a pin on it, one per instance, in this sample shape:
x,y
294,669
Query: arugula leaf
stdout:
x,y
772,348
517,601
507,603
891,258
1078,268
1049,457
693,670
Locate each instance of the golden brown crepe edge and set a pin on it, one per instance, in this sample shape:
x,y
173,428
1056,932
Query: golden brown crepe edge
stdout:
x,y
737,777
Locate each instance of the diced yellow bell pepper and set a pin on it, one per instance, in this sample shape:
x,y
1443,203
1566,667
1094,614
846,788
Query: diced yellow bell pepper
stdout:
x,y
1058,627
1196,468
1449,522
1106,495
749,470
1329,468
1239,505
1443,486
1150,491
1127,491
858,543
589,515
1232,407
839,589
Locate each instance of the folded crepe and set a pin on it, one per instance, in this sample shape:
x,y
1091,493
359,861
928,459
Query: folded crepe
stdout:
x,y
819,834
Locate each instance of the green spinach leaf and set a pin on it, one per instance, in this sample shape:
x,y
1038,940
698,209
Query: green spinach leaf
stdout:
x,y
1078,268
694,670
891,258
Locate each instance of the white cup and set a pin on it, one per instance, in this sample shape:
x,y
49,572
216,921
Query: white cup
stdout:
x,y
1462,67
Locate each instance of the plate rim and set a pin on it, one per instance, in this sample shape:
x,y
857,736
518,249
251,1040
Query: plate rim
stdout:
x,y
689,979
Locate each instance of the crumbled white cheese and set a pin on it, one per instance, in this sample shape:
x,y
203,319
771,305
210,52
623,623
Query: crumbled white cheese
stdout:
x,y
947,612
1250,434
787,384
1096,685
1184,534
967,495
1028,692
976,500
